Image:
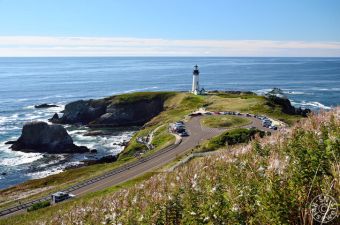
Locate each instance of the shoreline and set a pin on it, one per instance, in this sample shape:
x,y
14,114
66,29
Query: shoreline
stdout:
x,y
93,161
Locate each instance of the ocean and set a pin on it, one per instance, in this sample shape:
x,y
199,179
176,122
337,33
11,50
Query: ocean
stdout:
x,y
25,82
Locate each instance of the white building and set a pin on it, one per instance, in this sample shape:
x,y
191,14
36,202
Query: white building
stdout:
x,y
196,81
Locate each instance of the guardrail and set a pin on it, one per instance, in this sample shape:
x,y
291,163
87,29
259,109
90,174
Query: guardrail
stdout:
x,y
90,181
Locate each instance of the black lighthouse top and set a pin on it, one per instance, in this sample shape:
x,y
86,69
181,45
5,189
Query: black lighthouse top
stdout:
x,y
196,71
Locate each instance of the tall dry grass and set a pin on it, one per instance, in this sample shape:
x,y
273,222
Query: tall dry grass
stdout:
x,y
268,181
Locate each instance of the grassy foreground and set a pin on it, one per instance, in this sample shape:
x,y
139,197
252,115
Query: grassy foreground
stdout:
x,y
267,182
176,107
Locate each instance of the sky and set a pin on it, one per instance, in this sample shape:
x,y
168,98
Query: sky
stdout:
x,y
170,28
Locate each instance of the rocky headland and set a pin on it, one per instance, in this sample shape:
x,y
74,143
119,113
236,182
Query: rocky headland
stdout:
x,y
122,110
133,109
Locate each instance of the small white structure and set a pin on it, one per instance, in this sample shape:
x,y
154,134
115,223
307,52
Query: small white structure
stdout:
x,y
196,81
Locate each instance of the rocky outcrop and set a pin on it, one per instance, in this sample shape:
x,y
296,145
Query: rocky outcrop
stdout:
x,y
42,106
134,114
109,112
287,106
42,137
80,112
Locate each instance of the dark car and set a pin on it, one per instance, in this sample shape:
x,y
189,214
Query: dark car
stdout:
x,y
184,134
195,114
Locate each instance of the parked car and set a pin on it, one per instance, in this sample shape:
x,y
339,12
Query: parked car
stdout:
x,y
184,134
60,196
208,113
195,114
273,127
248,115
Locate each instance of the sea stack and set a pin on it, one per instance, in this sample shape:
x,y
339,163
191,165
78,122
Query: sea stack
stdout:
x,y
39,136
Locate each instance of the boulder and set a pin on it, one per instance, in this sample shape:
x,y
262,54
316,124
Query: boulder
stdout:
x,y
41,106
42,137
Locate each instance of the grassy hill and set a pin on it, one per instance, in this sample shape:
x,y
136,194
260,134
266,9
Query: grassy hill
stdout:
x,y
268,181
176,107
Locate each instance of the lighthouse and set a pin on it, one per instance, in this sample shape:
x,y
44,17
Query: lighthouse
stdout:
x,y
195,81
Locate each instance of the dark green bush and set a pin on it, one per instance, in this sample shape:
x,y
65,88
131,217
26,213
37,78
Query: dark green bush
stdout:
x,y
39,205
232,137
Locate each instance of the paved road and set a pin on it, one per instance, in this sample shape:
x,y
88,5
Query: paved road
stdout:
x,y
150,163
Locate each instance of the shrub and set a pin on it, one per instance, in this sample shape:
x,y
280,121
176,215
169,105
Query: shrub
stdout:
x,y
39,205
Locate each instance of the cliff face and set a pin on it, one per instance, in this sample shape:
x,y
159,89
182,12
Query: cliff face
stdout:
x,y
136,113
125,110
287,106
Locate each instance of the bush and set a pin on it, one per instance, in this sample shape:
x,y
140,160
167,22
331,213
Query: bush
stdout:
x,y
38,205
232,137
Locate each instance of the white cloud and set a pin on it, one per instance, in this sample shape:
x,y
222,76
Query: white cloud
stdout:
x,y
120,46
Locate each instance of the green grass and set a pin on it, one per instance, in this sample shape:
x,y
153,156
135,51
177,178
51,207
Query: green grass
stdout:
x,y
225,121
273,182
249,103
137,96
57,181
176,108
230,137
49,211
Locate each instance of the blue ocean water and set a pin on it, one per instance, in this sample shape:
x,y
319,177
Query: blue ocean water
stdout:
x,y
24,82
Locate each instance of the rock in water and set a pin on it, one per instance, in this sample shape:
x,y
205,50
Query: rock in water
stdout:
x,y
45,106
42,137
55,118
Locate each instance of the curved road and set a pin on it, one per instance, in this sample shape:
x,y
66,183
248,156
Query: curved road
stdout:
x,y
143,165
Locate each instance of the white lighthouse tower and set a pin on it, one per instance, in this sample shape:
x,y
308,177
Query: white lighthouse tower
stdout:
x,y
195,81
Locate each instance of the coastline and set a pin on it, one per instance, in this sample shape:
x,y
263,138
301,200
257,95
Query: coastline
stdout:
x,y
127,156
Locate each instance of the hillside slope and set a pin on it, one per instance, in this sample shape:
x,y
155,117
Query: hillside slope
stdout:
x,y
267,182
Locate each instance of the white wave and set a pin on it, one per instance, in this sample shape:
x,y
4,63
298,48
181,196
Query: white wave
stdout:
x,y
140,89
315,105
21,99
325,89
263,91
29,107
11,118
19,158
296,92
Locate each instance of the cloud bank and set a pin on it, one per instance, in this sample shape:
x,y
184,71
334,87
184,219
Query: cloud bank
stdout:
x,y
25,46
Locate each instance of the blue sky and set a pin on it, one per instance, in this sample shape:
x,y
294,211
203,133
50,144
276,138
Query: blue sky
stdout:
x,y
288,22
